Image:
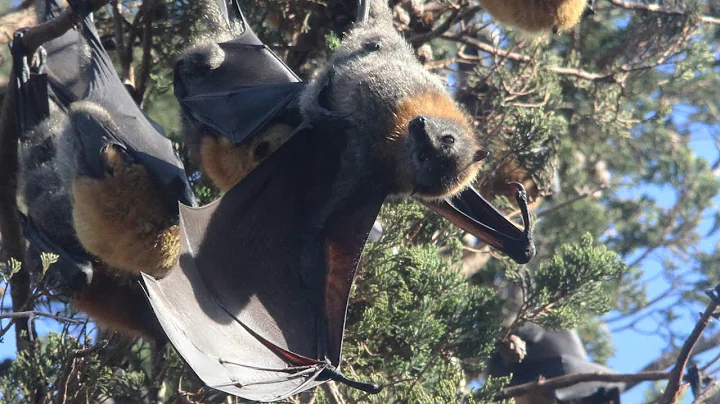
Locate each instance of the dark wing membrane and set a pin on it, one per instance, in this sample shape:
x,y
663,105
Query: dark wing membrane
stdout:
x,y
73,266
238,98
79,69
256,305
472,213
553,353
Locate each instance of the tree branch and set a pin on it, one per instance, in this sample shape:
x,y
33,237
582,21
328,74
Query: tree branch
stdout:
x,y
672,391
569,380
33,313
654,8
148,8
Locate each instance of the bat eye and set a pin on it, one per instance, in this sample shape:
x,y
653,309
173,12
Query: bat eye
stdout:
x,y
481,155
447,140
372,46
261,150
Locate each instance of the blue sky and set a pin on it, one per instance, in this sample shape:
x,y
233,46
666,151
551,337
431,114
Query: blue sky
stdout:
x,y
634,350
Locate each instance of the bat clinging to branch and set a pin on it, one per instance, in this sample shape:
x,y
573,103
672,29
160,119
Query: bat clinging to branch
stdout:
x,y
100,180
306,167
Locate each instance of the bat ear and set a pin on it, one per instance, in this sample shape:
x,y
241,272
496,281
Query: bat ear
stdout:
x,y
481,155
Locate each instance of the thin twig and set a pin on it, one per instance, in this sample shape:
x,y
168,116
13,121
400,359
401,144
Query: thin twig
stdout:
x,y
33,313
143,78
570,201
569,380
654,8
331,394
672,391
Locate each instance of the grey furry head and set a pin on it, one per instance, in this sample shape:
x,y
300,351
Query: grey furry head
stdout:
x,y
371,70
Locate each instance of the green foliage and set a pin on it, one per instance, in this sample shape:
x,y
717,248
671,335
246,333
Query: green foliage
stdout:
x,y
487,392
55,367
415,324
563,289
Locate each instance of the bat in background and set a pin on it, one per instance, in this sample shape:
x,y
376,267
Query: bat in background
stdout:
x,y
100,181
554,353
534,16
270,264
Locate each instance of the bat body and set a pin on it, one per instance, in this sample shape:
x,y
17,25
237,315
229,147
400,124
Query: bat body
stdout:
x,y
537,15
554,353
266,322
100,181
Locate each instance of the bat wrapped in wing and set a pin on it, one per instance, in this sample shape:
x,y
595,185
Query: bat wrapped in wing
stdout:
x,y
270,264
99,179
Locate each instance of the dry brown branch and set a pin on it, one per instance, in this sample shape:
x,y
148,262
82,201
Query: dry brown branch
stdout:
x,y
33,313
672,391
13,246
569,380
654,8
457,15
148,7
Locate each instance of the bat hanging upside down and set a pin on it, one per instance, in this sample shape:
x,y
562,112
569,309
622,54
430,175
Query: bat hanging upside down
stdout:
x,y
305,168
535,16
100,181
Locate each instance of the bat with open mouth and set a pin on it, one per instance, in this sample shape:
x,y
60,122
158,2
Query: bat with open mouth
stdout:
x,y
257,303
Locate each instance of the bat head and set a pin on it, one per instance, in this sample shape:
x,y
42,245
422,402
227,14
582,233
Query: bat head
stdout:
x,y
440,156
421,140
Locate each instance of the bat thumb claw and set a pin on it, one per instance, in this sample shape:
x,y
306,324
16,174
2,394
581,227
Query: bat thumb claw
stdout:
x,y
521,198
336,376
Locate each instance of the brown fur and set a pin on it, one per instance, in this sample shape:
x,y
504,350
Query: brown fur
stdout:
x,y
117,303
430,104
536,15
122,220
226,164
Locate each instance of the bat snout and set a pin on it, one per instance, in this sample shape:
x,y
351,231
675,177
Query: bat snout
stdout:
x,y
418,127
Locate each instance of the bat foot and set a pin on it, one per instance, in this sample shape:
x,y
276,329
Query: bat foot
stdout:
x,y
334,375
714,294
522,201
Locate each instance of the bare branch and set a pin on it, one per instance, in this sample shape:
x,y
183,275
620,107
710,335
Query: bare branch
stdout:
x,y
569,380
654,8
33,313
672,391
148,7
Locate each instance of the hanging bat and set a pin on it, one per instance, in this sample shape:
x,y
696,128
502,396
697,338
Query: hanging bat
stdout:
x,y
270,264
554,353
535,16
100,180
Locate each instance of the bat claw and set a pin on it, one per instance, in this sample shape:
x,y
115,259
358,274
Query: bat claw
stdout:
x,y
334,375
714,294
521,198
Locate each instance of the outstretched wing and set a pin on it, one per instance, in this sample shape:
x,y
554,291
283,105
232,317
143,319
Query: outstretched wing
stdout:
x,y
248,90
257,302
